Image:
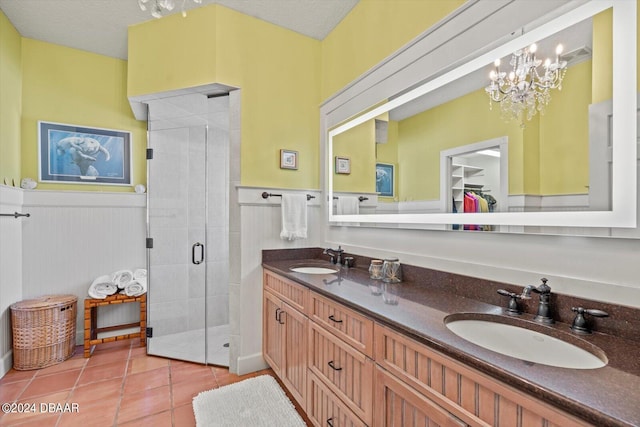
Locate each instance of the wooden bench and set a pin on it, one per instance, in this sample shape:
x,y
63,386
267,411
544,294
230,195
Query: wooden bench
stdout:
x,y
91,329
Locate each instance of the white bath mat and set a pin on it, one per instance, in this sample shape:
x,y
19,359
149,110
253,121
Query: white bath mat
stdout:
x,y
254,402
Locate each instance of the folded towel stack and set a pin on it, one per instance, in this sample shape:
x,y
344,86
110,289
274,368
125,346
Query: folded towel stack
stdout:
x,y
102,287
138,285
122,278
123,281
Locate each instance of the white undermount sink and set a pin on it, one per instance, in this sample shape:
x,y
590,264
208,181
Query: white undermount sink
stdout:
x,y
524,344
313,270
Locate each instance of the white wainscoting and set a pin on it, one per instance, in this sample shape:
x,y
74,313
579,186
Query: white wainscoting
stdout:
x,y
10,267
72,237
261,225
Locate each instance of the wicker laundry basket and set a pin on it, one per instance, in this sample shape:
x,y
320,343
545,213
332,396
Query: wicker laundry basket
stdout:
x,y
44,331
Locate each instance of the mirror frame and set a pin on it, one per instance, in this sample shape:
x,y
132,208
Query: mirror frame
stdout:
x,y
624,132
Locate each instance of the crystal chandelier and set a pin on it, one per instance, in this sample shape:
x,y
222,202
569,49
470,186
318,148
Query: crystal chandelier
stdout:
x,y
161,7
526,88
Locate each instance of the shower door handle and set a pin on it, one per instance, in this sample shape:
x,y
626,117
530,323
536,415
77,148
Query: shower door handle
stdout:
x,y
193,253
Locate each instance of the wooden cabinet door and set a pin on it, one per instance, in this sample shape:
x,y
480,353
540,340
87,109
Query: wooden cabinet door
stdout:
x,y
398,405
294,368
272,332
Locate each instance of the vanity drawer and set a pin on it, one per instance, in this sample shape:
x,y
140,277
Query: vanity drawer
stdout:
x,y
398,405
289,291
349,325
475,398
347,372
324,409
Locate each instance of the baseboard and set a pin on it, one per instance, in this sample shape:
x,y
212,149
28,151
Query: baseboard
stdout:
x,y
6,363
252,363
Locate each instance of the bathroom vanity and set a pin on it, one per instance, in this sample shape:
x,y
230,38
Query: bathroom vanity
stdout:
x,y
349,358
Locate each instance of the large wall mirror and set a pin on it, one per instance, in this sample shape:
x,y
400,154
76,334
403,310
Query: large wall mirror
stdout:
x,y
477,148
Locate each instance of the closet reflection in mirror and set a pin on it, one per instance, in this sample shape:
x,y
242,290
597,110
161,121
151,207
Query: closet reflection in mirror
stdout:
x,y
453,142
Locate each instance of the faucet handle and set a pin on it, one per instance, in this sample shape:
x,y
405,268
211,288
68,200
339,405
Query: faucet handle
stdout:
x,y
579,324
591,311
512,307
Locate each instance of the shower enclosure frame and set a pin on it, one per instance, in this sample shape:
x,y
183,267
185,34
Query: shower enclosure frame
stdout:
x,y
198,251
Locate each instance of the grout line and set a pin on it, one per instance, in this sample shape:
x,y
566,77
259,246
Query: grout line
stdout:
x,y
75,384
124,380
173,421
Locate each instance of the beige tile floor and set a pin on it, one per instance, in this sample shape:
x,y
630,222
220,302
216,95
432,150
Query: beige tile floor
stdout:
x,y
118,386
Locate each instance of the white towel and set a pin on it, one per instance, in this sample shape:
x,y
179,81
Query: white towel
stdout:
x,y
102,287
136,287
122,278
294,217
348,205
140,273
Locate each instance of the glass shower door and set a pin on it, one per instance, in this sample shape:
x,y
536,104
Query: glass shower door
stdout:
x,y
177,225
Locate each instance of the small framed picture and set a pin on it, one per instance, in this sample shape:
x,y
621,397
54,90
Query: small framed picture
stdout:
x,y
343,165
288,159
385,178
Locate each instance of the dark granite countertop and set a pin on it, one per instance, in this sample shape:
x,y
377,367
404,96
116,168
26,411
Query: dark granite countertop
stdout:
x,y
607,396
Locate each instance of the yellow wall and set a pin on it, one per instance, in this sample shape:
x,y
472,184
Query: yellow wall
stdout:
x,y
75,87
373,30
564,135
542,156
10,101
524,166
358,145
284,77
278,71
172,52
423,136
602,56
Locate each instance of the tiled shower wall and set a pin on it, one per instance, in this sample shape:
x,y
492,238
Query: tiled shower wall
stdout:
x,y
190,201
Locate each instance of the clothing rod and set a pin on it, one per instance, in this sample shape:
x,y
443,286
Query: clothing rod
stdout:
x,y
361,198
16,214
266,195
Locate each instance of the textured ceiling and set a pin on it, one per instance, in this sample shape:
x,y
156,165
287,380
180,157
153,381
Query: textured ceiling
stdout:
x,y
100,26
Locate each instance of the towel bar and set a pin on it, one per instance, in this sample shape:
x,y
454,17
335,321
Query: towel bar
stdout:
x,y
16,214
361,198
266,195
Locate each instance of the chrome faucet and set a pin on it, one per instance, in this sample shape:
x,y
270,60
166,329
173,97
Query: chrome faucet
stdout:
x,y
544,310
335,254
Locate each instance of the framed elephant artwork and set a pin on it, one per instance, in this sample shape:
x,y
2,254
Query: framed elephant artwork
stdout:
x,y
77,154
